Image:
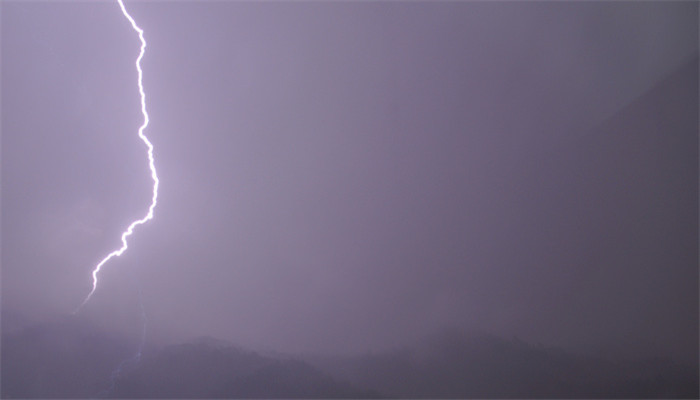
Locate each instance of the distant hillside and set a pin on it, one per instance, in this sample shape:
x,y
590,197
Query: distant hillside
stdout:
x,y
605,226
456,365
71,358
210,370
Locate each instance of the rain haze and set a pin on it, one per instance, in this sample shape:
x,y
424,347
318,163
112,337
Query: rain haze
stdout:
x,y
350,178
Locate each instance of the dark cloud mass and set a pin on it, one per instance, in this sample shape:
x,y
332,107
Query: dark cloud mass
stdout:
x,y
350,177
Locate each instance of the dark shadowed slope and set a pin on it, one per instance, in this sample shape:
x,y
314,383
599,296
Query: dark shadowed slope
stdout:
x,y
456,365
72,359
205,369
643,176
610,260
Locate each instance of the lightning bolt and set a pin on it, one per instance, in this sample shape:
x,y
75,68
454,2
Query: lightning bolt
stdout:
x,y
151,163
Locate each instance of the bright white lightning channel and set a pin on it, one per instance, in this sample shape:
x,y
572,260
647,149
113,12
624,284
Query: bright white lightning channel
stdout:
x,y
151,163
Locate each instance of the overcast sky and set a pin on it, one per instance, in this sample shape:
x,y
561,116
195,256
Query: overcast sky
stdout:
x,y
346,176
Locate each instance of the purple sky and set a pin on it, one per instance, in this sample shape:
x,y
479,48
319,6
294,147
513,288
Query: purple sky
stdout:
x,y
347,176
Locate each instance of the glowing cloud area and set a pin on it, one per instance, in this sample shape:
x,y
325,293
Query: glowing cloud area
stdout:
x,y
151,164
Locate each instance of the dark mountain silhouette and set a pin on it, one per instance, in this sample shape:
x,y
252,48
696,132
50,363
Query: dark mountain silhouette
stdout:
x,y
453,364
210,369
611,217
630,193
71,358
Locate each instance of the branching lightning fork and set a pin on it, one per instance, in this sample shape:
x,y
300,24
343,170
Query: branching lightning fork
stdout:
x,y
151,163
